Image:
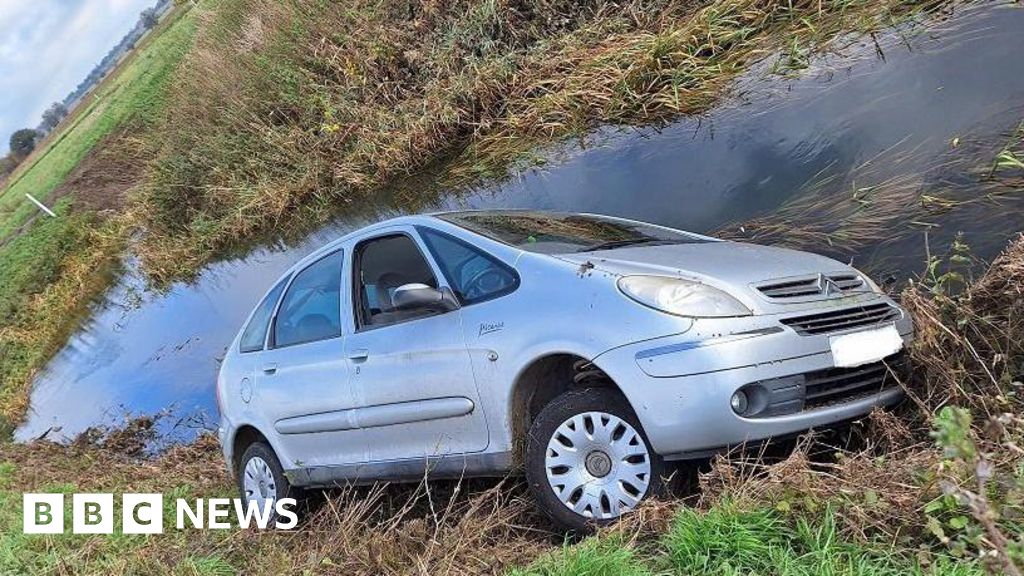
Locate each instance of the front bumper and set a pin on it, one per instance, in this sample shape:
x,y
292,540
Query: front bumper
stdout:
x,y
681,386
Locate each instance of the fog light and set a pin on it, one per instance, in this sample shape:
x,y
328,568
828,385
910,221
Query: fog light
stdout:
x,y
739,402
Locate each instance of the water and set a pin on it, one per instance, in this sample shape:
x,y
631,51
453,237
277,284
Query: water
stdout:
x,y
835,161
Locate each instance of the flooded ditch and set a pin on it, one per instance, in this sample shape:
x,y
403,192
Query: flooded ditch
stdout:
x,y
879,154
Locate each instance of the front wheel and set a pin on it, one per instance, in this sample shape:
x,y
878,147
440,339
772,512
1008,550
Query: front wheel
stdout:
x,y
588,460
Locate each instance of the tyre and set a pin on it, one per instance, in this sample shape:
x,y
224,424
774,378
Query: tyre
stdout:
x,y
261,479
588,460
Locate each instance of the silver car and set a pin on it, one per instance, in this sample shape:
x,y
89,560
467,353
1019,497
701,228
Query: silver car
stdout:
x,y
584,350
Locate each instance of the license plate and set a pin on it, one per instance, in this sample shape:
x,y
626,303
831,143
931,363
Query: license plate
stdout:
x,y
859,348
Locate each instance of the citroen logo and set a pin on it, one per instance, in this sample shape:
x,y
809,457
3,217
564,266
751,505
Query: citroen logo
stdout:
x,y
826,286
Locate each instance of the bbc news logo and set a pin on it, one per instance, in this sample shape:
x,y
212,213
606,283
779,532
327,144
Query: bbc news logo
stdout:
x,y
144,513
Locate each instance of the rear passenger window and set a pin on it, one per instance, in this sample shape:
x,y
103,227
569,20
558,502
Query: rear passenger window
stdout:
x,y
255,333
473,274
311,308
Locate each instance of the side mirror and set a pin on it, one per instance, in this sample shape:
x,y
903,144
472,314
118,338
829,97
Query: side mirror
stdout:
x,y
420,296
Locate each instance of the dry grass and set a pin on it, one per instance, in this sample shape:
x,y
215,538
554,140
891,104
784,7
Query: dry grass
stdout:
x,y
876,490
970,345
968,352
473,527
304,108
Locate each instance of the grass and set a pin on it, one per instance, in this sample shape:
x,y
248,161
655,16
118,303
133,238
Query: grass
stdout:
x,y
595,557
53,267
729,541
134,95
305,107
899,502
50,274
482,529
117,554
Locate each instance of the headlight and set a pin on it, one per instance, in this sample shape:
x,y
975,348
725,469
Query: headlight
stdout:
x,y
681,297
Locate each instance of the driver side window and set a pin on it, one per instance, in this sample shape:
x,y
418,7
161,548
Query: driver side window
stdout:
x,y
311,308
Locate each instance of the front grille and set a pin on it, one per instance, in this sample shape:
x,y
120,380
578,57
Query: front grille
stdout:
x,y
842,319
812,286
822,388
836,385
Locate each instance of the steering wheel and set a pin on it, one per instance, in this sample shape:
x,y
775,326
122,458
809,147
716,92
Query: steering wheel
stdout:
x,y
484,281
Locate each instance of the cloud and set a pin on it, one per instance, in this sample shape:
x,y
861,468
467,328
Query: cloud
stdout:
x,y
48,46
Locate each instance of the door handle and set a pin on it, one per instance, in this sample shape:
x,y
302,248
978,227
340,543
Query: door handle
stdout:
x,y
270,369
359,355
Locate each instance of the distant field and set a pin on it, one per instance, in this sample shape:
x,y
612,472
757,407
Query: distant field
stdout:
x,y
133,93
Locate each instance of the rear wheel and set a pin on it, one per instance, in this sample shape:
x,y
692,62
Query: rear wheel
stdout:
x,y
588,460
261,479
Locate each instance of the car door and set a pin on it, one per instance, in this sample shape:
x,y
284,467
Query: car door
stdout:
x,y
411,373
302,380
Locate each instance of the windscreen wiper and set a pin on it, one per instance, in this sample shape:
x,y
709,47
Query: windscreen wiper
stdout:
x,y
623,243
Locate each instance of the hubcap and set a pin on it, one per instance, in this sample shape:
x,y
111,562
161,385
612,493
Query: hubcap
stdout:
x,y
598,465
258,483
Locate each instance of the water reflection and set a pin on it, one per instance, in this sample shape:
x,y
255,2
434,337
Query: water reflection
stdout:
x,y
835,161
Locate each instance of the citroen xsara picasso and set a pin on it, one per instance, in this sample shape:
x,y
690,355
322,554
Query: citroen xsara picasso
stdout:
x,y
584,350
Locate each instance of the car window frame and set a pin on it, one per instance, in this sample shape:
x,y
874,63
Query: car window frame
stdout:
x,y
517,281
271,343
286,281
355,304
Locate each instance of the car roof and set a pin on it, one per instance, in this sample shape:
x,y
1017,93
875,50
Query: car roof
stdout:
x,y
411,220
426,218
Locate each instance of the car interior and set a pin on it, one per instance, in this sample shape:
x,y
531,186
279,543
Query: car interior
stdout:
x,y
384,264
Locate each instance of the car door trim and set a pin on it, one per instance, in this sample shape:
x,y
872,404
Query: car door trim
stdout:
x,y
435,467
377,416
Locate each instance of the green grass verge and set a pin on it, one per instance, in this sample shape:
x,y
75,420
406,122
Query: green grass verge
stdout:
x,y
136,93
730,541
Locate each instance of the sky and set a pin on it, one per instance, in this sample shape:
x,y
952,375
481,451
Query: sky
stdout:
x,y
48,46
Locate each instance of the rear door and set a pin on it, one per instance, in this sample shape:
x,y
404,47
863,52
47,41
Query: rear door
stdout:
x,y
411,373
302,378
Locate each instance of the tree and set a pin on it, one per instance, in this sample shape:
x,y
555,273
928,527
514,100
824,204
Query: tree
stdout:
x,y
53,115
23,142
149,18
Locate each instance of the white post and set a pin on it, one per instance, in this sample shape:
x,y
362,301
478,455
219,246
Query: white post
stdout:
x,y
40,205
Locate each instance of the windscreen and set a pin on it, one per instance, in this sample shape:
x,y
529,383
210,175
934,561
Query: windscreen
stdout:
x,y
554,233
